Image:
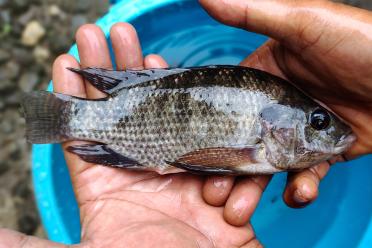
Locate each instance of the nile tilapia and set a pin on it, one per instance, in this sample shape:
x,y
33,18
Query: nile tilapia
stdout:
x,y
214,120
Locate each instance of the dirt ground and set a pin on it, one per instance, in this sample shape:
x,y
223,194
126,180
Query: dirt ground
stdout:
x,y
32,34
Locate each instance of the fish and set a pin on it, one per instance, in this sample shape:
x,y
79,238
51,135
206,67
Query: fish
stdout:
x,y
213,120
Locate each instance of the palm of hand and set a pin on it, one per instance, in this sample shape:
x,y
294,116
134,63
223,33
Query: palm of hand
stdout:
x,y
340,93
121,207
345,90
330,62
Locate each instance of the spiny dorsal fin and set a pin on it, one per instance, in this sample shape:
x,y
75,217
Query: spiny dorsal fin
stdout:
x,y
110,81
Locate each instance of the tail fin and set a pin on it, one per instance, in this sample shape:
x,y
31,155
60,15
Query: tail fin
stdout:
x,y
46,116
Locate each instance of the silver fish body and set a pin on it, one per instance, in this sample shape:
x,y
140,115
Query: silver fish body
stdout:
x,y
215,120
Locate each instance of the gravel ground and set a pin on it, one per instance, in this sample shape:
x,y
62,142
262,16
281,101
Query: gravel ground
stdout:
x,y
32,34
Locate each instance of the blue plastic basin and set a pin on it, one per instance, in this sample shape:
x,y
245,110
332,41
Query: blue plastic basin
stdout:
x,y
185,35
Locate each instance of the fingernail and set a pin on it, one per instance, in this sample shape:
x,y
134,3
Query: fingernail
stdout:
x,y
303,195
239,207
220,182
91,39
299,198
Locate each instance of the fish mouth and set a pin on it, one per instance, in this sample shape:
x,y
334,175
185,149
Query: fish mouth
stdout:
x,y
345,142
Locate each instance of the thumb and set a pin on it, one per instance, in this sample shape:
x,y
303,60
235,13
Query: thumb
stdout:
x,y
292,22
12,239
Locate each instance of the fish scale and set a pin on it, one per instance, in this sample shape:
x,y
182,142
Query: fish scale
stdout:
x,y
215,119
186,114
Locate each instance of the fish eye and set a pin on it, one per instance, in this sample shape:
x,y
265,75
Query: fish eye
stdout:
x,y
320,119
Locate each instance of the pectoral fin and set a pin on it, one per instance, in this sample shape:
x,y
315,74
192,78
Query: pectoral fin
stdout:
x,y
225,161
203,170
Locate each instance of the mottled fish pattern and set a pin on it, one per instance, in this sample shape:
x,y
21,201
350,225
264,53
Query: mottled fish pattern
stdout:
x,y
214,120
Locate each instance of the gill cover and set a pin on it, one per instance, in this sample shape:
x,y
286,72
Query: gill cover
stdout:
x,y
279,133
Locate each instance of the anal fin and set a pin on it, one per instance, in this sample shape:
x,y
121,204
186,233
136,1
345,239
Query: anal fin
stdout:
x,y
104,155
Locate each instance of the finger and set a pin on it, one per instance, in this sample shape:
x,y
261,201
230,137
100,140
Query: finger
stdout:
x,y
271,18
9,238
266,17
217,189
66,81
302,187
93,52
69,83
338,158
155,61
127,48
243,199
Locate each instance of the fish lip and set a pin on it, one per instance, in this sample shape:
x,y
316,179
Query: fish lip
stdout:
x,y
345,142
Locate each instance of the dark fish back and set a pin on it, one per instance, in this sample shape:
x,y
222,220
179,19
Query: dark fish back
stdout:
x,y
177,114
239,77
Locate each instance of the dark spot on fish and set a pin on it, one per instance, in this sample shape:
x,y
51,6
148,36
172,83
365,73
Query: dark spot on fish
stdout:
x,y
204,111
142,74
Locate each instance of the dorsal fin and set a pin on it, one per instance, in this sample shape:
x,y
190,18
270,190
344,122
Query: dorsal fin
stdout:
x,y
110,81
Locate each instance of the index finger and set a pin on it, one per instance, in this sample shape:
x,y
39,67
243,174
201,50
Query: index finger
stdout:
x,y
93,52
270,17
69,83
302,187
126,45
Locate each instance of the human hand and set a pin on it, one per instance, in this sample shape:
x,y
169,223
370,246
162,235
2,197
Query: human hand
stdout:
x,y
122,208
323,48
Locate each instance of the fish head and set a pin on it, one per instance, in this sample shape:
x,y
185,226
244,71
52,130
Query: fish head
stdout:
x,y
324,136
297,137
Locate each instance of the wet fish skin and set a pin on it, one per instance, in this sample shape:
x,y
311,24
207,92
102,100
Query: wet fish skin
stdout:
x,y
216,119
